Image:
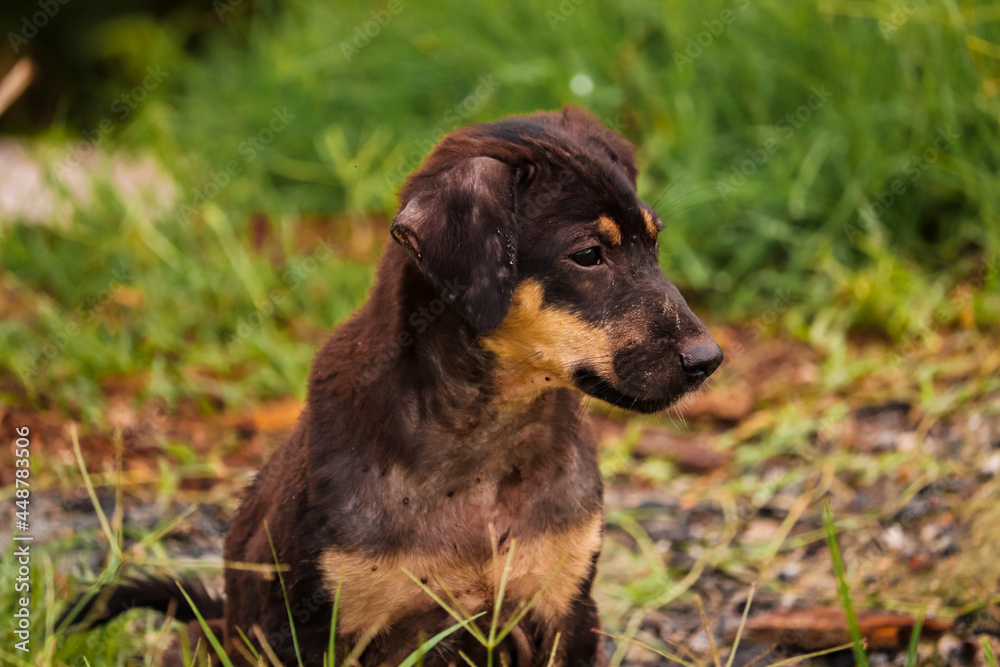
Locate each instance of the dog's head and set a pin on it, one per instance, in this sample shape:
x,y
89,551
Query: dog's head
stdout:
x,y
532,227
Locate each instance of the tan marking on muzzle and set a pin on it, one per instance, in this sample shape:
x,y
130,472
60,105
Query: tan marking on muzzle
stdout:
x,y
610,230
538,346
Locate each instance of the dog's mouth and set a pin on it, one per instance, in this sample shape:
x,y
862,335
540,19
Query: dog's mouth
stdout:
x,y
589,382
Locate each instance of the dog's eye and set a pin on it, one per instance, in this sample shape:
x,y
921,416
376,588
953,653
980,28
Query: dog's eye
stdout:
x,y
588,257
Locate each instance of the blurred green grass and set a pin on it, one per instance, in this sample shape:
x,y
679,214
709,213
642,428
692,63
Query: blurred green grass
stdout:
x,y
705,91
224,301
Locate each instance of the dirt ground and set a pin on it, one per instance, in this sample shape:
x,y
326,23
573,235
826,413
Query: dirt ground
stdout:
x,y
722,494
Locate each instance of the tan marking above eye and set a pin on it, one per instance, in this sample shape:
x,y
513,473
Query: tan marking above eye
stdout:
x,y
375,591
651,227
610,230
538,345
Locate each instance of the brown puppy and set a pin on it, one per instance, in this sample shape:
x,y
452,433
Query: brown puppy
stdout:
x,y
443,434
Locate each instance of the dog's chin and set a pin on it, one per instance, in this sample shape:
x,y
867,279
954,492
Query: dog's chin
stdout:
x,y
590,383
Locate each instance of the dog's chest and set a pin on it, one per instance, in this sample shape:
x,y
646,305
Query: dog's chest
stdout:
x,y
467,571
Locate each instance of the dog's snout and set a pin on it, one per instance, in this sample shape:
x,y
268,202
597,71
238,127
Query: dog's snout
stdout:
x,y
701,360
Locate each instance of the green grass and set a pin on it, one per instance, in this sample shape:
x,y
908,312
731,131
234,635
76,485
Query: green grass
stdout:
x,y
792,229
844,589
795,245
991,659
118,642
858,645
221,299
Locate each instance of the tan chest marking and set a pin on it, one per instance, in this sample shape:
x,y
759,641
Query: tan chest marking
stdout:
x,y
375,592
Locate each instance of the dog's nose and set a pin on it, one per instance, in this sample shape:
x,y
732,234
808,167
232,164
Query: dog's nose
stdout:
x,y
701,361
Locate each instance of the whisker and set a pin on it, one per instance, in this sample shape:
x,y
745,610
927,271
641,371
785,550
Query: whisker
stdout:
x,y
669,207
634,415
688,208
606,358
670,187
581,414
516,367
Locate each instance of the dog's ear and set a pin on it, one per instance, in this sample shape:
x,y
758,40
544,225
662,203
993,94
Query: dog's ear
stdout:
x,y
459,225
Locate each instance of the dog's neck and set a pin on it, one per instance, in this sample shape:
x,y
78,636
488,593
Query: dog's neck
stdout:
x,y
441,406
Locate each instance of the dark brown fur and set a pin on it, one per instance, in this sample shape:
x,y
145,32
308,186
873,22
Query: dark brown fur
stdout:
x,y
444,429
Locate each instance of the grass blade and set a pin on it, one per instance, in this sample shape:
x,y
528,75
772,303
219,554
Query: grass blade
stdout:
x,y
101,517
652,649
501,590
763,655
843,588
332,656
13,659
212,639
808,656
911,651
708,631
284,594
246,640
991,659
473,629
520,613
555,647
185,642
435,640
266,647
743,623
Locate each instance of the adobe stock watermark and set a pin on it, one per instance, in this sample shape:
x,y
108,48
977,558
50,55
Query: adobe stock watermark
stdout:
x,y
914,168
452,118
149,425
695,46
545,194
616,123
888,538
562,12
419,321
121,108
785,128
223,7
36,361
901,13
277,299
784,300
987,274
30,25
369,29
148,422
249,149
749,507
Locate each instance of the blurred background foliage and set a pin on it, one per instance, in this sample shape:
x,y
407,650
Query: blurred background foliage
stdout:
x,y
846,220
